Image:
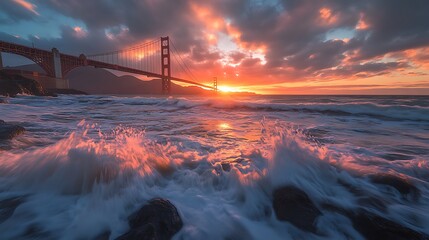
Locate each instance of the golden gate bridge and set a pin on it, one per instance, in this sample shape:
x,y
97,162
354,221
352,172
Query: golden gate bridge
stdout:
x,y
152,59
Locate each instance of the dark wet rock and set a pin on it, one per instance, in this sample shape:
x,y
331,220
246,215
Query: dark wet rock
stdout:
x,y
8,206
157,220
103,236
9,131
374,227
13,84
293,205
402,185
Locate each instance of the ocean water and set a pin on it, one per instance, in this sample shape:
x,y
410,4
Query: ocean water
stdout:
x,y
86,163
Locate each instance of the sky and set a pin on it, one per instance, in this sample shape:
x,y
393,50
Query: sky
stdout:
x,y
269,47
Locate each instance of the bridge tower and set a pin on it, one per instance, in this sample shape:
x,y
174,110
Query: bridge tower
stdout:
x,y
215,84
60,82
57,63
165,65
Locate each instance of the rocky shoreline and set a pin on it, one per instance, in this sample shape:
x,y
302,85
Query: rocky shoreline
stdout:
x,y
159,219
14,84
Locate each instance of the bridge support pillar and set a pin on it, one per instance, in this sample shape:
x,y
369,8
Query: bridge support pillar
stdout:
x,y
1,62
57,63
165,65
60,83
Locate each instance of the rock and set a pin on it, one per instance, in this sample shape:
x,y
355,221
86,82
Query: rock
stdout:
x,y
8,206
13,84
9,131
156,220
374,227
402,185
293,205
67,91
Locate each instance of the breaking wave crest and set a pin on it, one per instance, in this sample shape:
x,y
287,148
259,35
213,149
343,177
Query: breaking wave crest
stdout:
x,y
90,181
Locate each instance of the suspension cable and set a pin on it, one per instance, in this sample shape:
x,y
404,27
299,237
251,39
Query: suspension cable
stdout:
x,y
126,49
186,70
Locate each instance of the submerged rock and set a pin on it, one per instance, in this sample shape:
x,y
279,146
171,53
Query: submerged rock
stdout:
x,y
9,131
8,206
158,220
374,227
293,205
402,185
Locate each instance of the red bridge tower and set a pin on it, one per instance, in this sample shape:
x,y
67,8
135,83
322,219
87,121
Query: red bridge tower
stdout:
x,y
165,65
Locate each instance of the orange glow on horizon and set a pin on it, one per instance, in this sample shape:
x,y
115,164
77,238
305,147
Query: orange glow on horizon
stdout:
x,y
229,89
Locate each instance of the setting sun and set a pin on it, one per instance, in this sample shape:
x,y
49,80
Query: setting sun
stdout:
x,y
229,89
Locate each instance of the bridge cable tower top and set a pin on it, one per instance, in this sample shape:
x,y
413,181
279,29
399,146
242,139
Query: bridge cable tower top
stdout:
x,y
165,65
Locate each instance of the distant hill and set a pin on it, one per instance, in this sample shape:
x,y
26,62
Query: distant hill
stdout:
x,y
100,81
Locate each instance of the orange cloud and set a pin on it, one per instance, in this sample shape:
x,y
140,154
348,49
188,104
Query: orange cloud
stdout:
x,y
327,16
80,32
29,6
362,24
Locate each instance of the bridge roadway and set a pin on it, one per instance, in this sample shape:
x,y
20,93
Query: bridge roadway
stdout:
x,y
45,59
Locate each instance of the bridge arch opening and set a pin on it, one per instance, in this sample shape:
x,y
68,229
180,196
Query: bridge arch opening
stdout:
x,y
43,61
16,61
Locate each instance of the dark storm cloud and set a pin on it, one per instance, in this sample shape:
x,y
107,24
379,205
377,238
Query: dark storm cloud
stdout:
x,y
364,70
395,25
318,56
146,19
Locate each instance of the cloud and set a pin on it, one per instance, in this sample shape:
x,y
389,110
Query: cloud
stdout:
x,y
17,10
29,6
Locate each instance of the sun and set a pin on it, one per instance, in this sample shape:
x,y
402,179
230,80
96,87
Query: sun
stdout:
x,y
228,89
